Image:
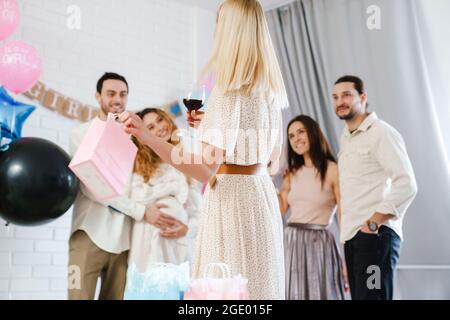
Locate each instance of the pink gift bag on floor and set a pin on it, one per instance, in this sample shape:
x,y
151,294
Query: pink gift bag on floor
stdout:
x,y
105,159
225,288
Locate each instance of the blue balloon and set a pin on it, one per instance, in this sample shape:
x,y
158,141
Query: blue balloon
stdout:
x,y
4,134
175,110
12,116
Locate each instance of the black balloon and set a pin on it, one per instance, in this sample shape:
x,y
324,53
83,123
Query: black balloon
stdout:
x,y
36,185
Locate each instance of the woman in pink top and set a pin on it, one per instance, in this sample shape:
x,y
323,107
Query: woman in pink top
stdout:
x,y
311,189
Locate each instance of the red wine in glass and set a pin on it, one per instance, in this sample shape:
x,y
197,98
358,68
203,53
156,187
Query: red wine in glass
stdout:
x,y
195,99
193,104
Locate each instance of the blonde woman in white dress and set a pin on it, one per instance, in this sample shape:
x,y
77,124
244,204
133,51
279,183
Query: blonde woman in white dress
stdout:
x,y
241,133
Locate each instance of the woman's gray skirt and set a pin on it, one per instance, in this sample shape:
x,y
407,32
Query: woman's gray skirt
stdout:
x,y
313,264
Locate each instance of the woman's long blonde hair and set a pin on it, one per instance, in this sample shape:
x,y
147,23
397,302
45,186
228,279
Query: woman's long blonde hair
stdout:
x,y
243,58
147,161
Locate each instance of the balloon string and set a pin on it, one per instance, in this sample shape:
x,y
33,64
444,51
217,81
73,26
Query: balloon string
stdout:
x,y
7,226
10,268
13,123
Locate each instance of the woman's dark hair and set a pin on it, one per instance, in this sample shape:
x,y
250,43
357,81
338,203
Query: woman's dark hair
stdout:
x,y
320,151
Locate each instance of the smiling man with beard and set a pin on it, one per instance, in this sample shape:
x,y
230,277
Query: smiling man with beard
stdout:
x,y
377,185
100,234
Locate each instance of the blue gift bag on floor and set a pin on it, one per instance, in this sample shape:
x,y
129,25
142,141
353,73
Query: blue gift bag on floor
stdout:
x,y
161,281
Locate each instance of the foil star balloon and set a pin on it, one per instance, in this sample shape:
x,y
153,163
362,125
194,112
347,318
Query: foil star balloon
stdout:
x,y
12,116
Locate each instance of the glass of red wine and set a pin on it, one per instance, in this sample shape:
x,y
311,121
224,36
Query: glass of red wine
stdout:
x,y
195,99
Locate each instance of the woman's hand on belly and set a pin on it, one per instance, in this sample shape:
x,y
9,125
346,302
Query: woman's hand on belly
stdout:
x,y
177,231
154,216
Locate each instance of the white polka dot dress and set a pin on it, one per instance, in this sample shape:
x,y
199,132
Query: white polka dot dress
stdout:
x,y
240,222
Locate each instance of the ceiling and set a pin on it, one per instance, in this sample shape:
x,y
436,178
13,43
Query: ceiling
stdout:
x,y
214,4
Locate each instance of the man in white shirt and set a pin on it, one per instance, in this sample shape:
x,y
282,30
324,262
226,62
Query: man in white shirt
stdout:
x,y
100,235
377,185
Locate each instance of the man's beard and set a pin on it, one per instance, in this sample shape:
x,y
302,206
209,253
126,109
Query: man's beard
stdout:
x,y
348,116
105,109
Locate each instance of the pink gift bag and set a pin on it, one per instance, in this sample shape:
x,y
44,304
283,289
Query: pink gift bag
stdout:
x,y
225,288
104,161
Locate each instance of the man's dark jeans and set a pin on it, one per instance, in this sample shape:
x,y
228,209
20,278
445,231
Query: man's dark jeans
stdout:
x,y
380,251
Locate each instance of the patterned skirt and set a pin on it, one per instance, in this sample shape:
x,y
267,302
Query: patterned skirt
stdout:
x,y
241,225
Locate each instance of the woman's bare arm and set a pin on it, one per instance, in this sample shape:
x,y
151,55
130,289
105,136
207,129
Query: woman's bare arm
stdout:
x,y
200,167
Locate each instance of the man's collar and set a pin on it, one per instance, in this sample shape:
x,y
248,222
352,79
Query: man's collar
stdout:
x,y
365,125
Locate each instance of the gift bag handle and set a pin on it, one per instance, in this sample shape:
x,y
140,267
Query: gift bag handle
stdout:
x,y
112,117
223,267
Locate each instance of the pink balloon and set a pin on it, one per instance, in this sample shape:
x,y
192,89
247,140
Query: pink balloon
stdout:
x,y
20,66
9,18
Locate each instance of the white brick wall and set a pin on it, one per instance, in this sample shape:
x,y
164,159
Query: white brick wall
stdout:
x,y
151,42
